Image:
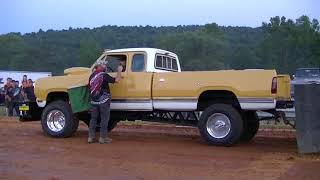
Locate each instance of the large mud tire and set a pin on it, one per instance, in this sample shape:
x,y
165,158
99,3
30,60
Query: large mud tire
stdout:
x,y
57,120
221,125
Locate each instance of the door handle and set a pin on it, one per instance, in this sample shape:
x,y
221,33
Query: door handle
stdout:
x,y
162,80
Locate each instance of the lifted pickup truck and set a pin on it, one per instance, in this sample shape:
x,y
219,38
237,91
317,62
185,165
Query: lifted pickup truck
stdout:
x,y
222,104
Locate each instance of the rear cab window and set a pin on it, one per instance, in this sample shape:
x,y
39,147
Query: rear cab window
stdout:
x,y
166,63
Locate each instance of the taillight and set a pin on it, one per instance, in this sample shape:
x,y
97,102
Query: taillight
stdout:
x,y
274,86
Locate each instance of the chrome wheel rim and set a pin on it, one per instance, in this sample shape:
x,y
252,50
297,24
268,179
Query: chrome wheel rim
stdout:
x,y
218,125
56,120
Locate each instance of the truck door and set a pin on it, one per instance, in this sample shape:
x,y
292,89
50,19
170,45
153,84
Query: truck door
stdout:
x,y
117,89
137,82
172,90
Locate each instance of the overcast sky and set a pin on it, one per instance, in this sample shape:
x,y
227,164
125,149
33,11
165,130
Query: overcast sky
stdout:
x,y
31,15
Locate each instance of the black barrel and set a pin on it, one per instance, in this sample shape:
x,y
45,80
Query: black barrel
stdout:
x,y
307,105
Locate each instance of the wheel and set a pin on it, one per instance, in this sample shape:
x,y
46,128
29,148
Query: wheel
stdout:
x,y
251,125
220,124
57,120
112,124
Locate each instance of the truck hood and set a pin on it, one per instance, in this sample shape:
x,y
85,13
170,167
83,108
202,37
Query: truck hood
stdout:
x,y
76,70
44,86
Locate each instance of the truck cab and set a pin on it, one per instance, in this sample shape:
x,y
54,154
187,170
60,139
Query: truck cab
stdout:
x,y
134,91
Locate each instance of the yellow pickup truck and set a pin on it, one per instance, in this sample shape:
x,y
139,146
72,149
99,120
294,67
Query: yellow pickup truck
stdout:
x,y
222,104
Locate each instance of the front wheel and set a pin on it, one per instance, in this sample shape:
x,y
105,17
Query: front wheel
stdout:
x,y
57,120
220,124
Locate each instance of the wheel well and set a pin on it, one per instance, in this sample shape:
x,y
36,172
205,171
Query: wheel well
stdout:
x,y
53,96
207,98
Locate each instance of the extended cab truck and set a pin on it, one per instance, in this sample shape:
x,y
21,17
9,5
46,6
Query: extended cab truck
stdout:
x,y
222,104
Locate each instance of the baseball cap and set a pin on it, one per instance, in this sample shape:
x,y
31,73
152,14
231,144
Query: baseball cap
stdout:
x,y
100,62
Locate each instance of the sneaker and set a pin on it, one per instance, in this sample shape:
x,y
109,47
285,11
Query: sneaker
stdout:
x,y
105,140
90,140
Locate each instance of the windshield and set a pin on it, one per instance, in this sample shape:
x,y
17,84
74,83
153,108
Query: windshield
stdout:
x,y
308,73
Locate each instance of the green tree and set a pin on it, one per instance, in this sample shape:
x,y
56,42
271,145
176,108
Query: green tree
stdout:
x,y
288,44
281,44
89,52
12,51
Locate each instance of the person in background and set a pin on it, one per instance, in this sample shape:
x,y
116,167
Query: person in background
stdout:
x,y
24,90
24,84
123,64
30,91
100,100
16,97
24,80
8,94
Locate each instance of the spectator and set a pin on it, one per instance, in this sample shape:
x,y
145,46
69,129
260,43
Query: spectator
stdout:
x,y
16,97
30,91
24,85
24,91
25,80
8,87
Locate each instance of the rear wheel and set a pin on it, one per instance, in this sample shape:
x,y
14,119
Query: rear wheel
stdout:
x,y
251,125
220,124
57,120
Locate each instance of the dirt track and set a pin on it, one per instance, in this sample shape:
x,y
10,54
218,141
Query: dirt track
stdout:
x,y
147,152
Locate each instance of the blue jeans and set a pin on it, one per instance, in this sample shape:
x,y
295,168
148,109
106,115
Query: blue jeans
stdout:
x,y
104,111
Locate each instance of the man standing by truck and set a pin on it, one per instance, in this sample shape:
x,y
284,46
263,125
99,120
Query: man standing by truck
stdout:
x,y
100,100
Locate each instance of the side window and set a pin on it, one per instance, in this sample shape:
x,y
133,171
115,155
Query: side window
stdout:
x,y
138,63
114,61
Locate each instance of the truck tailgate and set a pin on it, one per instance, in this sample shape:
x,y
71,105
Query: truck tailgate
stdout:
x,y
283,87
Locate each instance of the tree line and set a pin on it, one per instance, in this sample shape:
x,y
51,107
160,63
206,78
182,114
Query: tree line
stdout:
x,y
282,44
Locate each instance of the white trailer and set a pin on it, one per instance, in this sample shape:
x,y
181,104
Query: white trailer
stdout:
x,y
17,75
